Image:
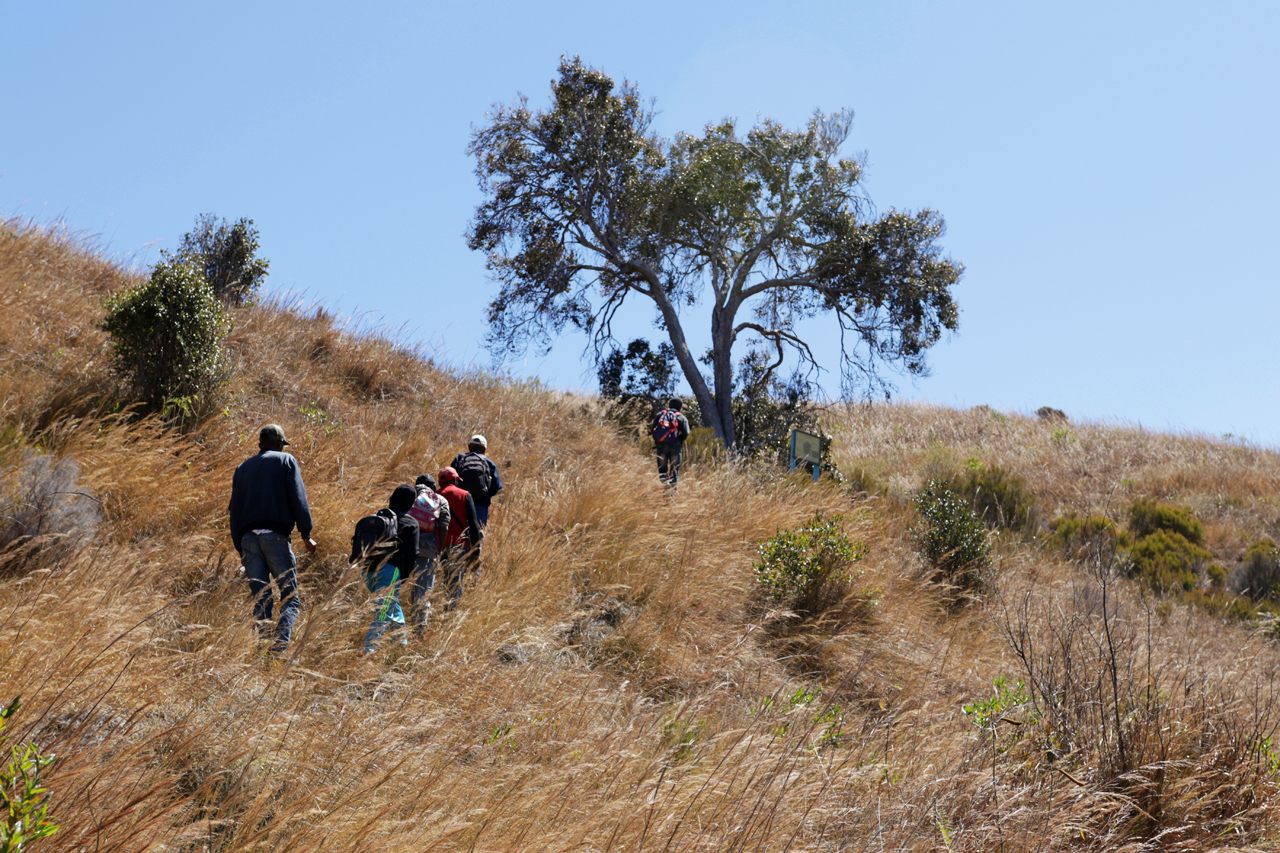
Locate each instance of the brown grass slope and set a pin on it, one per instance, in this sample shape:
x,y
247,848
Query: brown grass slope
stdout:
x,y
614,682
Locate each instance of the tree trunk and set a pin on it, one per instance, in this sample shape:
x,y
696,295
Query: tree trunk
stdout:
x,y
722,373
711,415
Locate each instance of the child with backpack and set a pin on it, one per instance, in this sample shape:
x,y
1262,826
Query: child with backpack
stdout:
x,y
431,511
386,543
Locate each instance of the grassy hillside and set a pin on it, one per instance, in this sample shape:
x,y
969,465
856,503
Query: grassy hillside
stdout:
x,y
616,681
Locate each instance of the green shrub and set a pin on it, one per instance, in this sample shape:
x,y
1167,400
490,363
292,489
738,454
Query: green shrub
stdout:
x,y
1259,576
807,567
1147,516
25,816
998,498
168,336
1078,535
950,536
1167,560
227,255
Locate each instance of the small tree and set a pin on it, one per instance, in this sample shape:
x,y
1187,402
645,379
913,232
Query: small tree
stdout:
x,y
585,207
227,254
168,336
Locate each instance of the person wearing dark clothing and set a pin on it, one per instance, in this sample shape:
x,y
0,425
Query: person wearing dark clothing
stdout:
x,y
268,500
478,474
385,574
461,549
670,429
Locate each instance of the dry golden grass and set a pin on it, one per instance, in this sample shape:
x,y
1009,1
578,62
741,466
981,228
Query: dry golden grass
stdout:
x,y
613,681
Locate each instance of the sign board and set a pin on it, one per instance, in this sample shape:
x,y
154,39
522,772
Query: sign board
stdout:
x,y
806,448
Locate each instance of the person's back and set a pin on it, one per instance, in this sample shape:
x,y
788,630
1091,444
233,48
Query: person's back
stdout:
x,y
267,494
670,429
398,565
478,475
459,533
267,501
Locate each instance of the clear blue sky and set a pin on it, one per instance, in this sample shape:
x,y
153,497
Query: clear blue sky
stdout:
x,y
1109,172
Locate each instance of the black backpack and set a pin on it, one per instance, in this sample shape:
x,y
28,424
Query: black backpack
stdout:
x,y
473,471
375,539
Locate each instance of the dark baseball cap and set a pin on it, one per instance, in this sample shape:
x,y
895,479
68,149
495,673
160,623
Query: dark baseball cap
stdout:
x,y
272,432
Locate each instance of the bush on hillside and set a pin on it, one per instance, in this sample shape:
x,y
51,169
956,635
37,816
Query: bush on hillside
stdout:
x,y
1167,561
1147,516
227,255
807,568
168,336
44,511
951,537
997,497
1259,574
1080,536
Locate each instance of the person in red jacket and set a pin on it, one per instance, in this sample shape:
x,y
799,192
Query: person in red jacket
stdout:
x,y
461,549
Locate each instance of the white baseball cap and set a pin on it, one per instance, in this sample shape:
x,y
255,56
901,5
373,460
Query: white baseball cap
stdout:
x,y
479,439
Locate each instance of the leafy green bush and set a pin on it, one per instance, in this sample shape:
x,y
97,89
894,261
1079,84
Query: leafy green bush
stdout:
x,y
227,255
1079,534
1147,516
807,567
998,498
1259,575
25,816
950,536
1167,560
168,336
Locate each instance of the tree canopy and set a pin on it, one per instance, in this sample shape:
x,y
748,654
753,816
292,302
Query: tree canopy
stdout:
x,y
585,207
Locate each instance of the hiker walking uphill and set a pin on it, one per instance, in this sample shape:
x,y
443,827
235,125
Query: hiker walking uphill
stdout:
x,y
461,546
268,500
478,474
387,545
670,429
432,513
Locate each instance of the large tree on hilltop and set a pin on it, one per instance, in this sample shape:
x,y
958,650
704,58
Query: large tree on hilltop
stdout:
x,y
585,207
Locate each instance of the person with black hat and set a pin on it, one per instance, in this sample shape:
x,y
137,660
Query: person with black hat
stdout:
x,y
268,499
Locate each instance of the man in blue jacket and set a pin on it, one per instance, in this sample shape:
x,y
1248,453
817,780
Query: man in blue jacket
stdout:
x,y
267,500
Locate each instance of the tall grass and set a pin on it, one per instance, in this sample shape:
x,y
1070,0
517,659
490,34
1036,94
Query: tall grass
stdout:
x,y
611,681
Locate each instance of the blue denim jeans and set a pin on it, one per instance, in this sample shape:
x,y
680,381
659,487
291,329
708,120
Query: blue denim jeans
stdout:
x,y
267,556
387,581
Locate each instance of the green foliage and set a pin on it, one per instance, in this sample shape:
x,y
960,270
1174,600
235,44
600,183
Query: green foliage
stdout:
x,y
23,797
808,566
950,536
639,373
997,497
1147,516
681,736
702,447
168,337
1259,576
1167,560
227,255
1080,535
986,713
